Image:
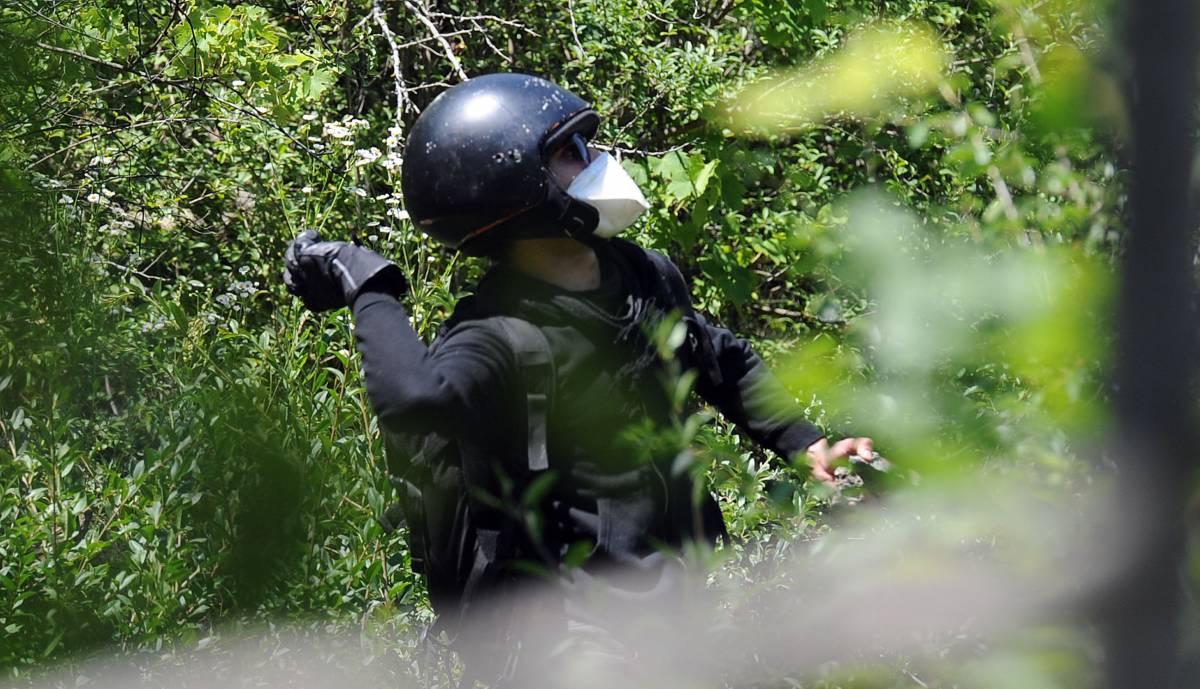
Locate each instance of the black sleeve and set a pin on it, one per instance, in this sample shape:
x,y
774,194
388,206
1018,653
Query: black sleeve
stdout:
x,y
460,389
751,396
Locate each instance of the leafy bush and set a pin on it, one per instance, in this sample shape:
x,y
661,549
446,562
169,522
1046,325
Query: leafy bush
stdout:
x,y
183,446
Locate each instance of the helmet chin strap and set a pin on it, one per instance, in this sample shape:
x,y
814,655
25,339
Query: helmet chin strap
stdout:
x,y
559,216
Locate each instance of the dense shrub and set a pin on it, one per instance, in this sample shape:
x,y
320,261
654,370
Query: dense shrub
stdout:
x,y
181,445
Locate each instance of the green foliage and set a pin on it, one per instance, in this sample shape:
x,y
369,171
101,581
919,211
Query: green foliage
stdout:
x,y
182,447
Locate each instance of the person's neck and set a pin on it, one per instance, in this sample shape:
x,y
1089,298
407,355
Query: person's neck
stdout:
x,y
566,263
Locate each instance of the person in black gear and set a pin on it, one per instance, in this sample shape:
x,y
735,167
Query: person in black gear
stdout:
x,y
499,166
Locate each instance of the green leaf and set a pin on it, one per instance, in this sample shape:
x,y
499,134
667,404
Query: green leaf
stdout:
x,y
578,553
314,84
701,173
538,488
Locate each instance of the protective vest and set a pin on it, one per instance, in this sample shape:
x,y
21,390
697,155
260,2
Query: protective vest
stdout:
x,y
468,509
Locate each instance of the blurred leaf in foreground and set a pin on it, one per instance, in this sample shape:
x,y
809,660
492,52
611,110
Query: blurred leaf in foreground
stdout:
x,y
876,66
967,354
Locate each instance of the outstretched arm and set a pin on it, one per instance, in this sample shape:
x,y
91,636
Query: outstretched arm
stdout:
x,y
458,389
751,397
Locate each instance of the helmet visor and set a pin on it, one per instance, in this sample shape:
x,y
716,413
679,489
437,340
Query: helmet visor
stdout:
x,y
581,148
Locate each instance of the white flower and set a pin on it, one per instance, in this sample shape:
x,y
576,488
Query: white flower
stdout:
x,y
356,123
392,161
366,156
237,82
306,189
156,323
107,192
310,116
335,131
94,198
398,213
394,135
358,191
66,200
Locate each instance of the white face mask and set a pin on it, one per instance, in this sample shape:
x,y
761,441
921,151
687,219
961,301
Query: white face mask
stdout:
x,y
606,186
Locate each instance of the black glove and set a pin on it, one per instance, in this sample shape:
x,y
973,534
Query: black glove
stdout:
x,y
329,275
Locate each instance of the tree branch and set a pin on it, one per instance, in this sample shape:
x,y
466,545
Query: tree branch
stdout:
x,y
433,30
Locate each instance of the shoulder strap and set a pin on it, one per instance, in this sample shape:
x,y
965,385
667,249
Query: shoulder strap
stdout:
x,y
676,287
532,350
679,297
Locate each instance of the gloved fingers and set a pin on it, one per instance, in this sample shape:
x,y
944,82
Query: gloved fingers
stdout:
x,y
296,248
307,237
317,302
289,281
290,260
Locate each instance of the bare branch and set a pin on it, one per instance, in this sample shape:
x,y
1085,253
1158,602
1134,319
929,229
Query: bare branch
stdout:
x,y
121,128
1035,74
154,78
574,28
82,56
621,150
250,111
1002,193
488,40
485,17
433,30
402,100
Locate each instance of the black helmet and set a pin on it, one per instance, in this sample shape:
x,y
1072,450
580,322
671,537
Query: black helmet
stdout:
x,y
475,170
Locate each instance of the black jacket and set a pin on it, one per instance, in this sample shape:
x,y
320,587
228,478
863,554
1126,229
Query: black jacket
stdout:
x,y
609,400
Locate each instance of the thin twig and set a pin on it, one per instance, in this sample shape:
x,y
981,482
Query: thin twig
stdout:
x,y
446,48
82,56
112,130
486,17
636,151
153,78
431,39
574,29
1002,193
112,403
402,100
1035,74
273,125
488,41
135,271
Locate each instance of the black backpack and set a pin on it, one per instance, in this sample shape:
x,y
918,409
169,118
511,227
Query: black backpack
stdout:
x,y
452,493
457,500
